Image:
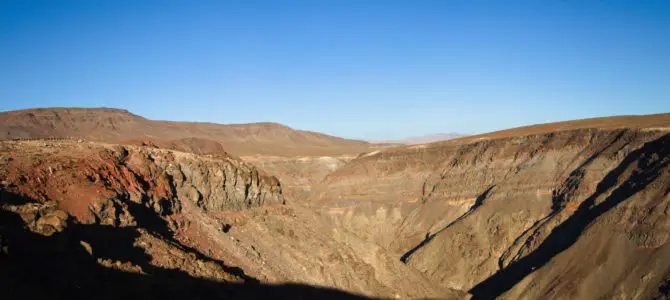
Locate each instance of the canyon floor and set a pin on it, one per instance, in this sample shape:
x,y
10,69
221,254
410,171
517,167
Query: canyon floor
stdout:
x,y
104,204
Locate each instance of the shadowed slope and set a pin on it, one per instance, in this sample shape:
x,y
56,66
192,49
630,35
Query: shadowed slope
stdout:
x,y
641,167
35,266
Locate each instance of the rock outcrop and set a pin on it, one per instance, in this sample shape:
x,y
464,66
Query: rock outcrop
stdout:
x,y
98,183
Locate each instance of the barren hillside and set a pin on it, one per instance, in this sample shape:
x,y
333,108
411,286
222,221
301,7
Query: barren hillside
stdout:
x,y
567,210
115,125
153,213
570,210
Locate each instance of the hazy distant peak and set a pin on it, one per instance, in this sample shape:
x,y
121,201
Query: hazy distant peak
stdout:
x,y
425,138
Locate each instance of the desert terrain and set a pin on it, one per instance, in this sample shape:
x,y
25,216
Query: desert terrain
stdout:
x,y
94,199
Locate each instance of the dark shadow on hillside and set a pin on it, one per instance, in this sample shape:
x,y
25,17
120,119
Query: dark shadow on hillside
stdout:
x,y
33,266
149,220
576,177
429,237
647,163
559,196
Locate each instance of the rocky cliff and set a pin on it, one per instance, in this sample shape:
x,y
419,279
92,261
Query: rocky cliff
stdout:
x,y
81,218
144,211
492,215
96,182
565,210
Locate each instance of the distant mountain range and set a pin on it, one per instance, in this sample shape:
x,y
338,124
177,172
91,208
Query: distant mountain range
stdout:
x,y
424,139
120,126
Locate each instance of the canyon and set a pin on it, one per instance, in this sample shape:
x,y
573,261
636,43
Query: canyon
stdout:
x,y
93,199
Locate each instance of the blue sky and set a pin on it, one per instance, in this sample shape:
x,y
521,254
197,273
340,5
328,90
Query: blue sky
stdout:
x,y
361,69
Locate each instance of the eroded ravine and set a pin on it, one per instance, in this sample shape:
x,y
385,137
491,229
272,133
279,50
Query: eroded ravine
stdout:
x,y
542,184
222,214
429,236
639,169
577,213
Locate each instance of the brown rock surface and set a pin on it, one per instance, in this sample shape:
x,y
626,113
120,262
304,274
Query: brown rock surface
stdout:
x,y
200,146
299,174
480,213
566,210
94,182
170,208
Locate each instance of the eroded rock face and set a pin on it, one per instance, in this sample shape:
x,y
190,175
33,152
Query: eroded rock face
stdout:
x,y
42,218
569,214
102,184
299,174
223,185
145,211
102,218
44,253
462,213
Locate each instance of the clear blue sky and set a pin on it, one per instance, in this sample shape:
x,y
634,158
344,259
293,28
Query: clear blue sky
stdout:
x,y
362,69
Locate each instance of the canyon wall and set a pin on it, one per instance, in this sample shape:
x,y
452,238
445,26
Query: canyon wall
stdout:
x,y
215,218
484,215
